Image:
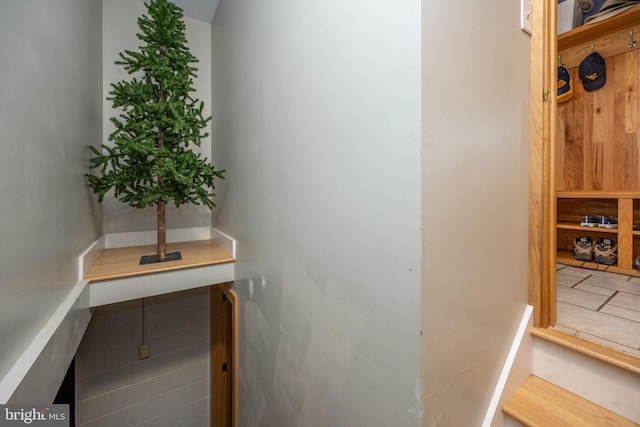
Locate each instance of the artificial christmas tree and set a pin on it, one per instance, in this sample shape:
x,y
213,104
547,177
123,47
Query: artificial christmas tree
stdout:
x,y
150,161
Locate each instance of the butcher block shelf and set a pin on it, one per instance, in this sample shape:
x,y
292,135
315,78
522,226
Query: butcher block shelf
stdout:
x,y
111,265
118,263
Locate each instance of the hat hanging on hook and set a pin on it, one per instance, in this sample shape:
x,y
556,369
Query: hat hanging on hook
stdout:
x,y
565,88
593,71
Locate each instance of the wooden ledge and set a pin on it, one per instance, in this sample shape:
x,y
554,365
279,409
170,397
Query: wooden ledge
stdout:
x,y
115,273
117,263
590,349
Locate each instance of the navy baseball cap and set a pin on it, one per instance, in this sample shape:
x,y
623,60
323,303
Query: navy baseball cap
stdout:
x,y
593,72
565,88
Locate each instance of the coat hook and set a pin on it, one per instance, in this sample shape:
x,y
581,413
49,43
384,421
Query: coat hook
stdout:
x,y
593,49
560,60
632,43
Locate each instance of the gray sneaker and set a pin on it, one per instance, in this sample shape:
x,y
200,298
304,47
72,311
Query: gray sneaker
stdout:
x,y
583,248
605,251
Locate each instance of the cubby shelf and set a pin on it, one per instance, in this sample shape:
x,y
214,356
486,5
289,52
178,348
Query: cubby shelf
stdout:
x,y
566,258
586,229
572,205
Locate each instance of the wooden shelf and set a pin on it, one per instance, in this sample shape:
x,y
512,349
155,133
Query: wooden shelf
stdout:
x,y
567,258
589,32
565,226
119,263
624,194
116,275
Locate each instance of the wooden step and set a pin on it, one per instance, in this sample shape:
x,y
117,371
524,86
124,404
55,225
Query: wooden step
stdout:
x,y
604,354
539,403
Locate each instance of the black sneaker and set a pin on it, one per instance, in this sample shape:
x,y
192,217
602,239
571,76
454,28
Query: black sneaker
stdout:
x,y
590,221
583,248
605,251
608,222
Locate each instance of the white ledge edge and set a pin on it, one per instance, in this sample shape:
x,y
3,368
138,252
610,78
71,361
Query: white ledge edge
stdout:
x,y
223,240
134,287
45,337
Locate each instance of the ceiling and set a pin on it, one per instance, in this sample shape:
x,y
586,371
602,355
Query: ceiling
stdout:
x,y
202,10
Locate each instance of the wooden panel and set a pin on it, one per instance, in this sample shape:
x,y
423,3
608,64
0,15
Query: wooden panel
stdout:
x,y
542,125
637,134
611,45
597,144
223,357
625,237
571,211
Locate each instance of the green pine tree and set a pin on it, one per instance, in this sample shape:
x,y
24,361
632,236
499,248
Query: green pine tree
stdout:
x,y
151,161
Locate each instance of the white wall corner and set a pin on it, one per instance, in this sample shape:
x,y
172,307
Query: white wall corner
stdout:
x,y
140,238
223,240
516,369
38,373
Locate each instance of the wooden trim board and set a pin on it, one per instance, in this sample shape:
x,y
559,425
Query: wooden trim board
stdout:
x,y
224,357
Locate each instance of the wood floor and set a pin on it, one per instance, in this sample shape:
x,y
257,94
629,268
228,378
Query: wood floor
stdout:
x,y
599,307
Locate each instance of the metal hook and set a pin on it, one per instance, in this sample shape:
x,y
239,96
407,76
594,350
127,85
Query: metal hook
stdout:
x,y
632,43
593,49
560,60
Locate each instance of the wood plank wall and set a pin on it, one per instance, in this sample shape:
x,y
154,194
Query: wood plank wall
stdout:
x,y
598,142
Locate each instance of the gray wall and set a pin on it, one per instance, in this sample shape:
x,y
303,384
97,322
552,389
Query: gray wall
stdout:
x,y
475,201
115,388
317,120
50,111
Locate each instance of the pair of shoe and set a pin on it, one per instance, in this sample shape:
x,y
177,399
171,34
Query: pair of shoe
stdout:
x,y
602,251
599,221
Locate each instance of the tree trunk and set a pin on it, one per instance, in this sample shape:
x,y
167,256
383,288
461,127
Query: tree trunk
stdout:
x,y
162,230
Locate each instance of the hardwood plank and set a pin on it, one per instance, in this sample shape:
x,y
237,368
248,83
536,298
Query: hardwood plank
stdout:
x,y
637,118
563,164
625,236
586,180
125,262
609,147
540,403
615,80
574,155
